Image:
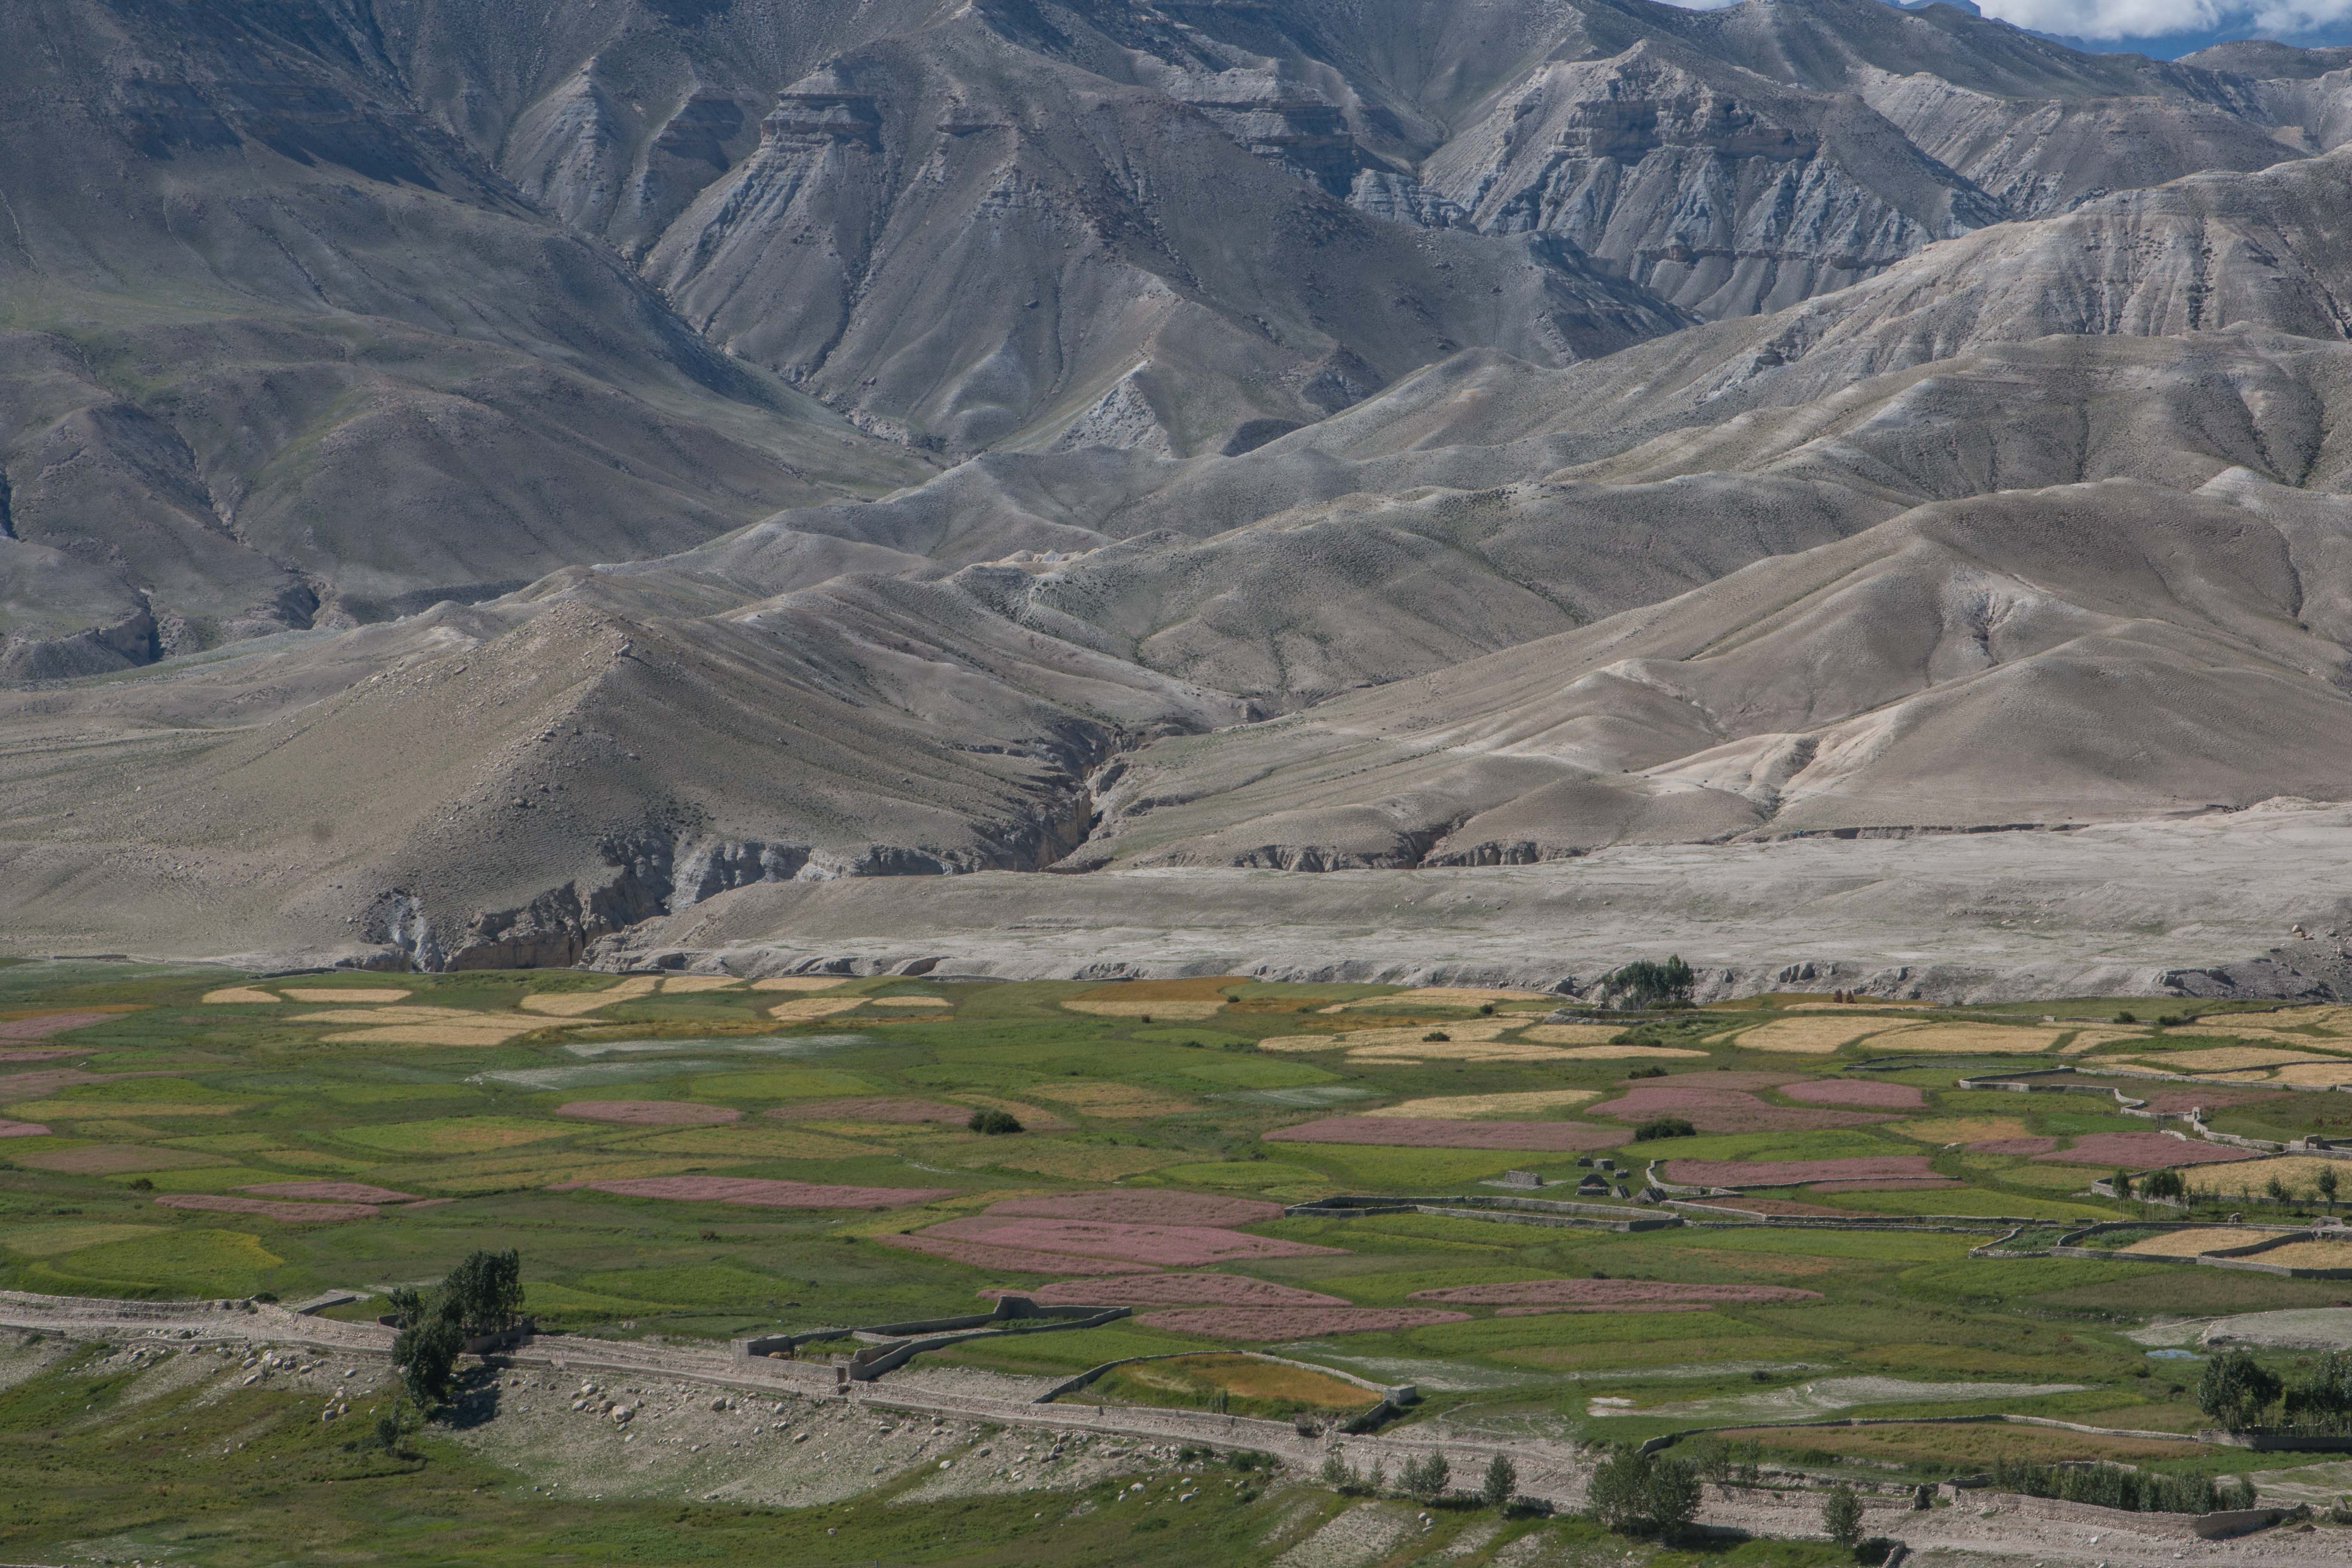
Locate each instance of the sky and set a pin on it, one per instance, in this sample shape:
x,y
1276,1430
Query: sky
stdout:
x,y
2109,20
2164,28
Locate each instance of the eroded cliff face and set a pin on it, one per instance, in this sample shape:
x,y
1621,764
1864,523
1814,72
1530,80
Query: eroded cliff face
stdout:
x,y
1720,192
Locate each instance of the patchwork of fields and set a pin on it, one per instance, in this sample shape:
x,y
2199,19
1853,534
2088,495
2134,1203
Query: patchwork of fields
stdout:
x,y
701,1157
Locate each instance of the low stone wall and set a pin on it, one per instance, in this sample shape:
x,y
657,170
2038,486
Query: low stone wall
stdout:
x,y
2219,1526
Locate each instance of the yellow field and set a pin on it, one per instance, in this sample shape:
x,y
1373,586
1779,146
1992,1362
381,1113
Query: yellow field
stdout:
x,y
800,982
2314,1074
1191,1008
909,1002
1194,987
1461,1107
1249,1377
2333,1020
417,1014
1962,1039
239,993
2189,1243
2329,1254
1623,1053
348,993
1572,1033
482,1034
1806,1036
1455,1051
2299,1172
2098,1035
1442,996
1119,1100
808,1007
1964,1128
673,984
1876,1004
574,1004
2222,1057
1377,1040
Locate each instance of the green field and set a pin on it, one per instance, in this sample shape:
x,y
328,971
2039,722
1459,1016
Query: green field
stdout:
x,y
165,1097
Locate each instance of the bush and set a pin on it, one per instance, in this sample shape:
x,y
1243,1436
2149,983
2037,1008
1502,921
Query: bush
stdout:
x,y
1647,1072
2236,1389
1646,983
1842,1515
1639,1494
1663,1127
993,1123
141,1184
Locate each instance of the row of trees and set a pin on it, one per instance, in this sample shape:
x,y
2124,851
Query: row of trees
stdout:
x,y
482,1295
1426,1479
2113,1486
2238,1391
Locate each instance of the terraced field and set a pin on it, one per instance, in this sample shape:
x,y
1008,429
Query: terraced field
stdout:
x,y
688,1159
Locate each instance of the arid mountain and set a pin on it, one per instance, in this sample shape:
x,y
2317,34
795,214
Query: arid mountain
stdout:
x,y
476,479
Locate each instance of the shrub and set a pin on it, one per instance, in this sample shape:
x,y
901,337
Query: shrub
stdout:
x,y
1842,1515
1435,1035
1644,983
2236,1389
141,1184
2125,1017
993,1123
1663,1127
1639,1494
1647,1072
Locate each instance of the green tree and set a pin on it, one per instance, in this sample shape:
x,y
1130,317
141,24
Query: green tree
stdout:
x,y
407,1306
2327,1187
993,1123
1646,983
1639,1494
2275,1190
1501,1484
483,1294
2163,1185
1842,1515
1426,1478
426,1354
2236,1389
2121,1181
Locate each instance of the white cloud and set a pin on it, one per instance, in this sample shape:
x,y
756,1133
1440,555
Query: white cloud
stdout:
x,y
2111,19
2156,19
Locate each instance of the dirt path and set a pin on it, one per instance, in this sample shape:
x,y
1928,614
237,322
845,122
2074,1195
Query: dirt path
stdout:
x,y
1548,1469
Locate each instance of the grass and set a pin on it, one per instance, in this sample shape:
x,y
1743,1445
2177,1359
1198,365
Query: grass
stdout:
x,y
1172,1105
